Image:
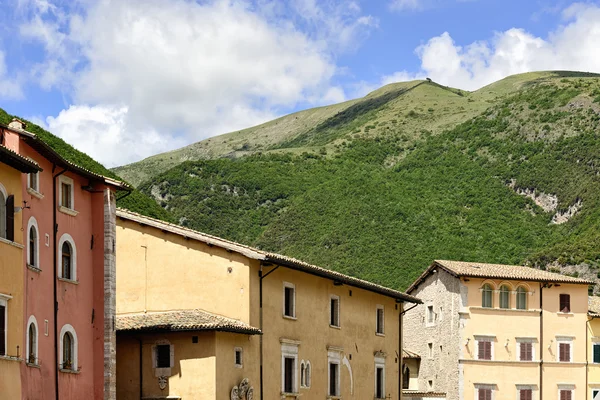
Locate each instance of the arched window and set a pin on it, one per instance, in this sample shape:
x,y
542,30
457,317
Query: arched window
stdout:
x,y
302,374
68,351
486,296
307,377
504,296
406,378
33,243
521,298
67,258
32,341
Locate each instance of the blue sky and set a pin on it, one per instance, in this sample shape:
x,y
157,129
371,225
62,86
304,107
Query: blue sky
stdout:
x,y
122,80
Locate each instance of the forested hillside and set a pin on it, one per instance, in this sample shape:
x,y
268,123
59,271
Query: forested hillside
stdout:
x,y
381,186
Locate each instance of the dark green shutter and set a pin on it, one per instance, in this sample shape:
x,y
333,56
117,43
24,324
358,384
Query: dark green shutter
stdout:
x,y
597,353
10,218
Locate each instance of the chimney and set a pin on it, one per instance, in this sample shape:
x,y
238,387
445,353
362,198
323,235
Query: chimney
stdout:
x,y
16,123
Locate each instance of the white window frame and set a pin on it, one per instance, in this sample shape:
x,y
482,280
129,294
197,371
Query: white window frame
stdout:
x,y
379,363
68,328
163,371
520,340
68,181
31,321
33,223
4,302
339,316
595,342
293,287
592,393
485,338
429,311
307,374
67,238
289,349
526,387
484,386
567,387
34,191
380,332
526,293
241,351
564,339
334,357
302,374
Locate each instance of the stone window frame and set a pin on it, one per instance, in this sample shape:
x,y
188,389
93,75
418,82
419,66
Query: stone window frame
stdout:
x,y
532,387
32,223
67,328
485,338
380,328
335,298
289,285
34,191
65,180
163,371
289,349
239,350
519,340
28,352
484,386
379,363
564,339
566,387
334,356
4,298
67,238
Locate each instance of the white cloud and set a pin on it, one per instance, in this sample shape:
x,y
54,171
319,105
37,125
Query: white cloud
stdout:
x,y
403,5
188,70
573,46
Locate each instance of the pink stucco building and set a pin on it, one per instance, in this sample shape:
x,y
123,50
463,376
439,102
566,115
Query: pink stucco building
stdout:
x,y
68,228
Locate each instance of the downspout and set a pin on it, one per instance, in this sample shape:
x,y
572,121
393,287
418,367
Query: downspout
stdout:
x,y
261,277
55,288
541,343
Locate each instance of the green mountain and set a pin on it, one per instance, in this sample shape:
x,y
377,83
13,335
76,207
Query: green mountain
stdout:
x,y
134,201
379,186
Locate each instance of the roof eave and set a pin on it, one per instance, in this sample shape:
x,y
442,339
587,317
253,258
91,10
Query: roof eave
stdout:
x,y
18,162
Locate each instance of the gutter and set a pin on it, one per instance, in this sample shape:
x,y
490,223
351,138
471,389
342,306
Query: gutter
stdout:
x,y
55,277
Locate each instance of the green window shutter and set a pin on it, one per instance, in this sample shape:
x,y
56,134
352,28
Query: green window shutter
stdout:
x,y
597,353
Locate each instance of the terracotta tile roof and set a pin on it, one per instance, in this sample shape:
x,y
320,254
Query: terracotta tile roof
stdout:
x,y
409,354
183,320
594,305
497,271
261,255
17,161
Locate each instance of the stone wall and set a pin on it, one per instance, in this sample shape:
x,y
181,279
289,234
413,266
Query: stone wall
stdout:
x,y
110,276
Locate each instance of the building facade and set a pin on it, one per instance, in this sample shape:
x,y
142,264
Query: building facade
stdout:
x,y
488,331
202,317
66,225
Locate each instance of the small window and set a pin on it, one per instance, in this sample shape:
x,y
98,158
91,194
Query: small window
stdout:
x,y
163,356
302,374
7,212
3,215
430,385
521,298
486,296
525,394
238,357
596,350
33,181
32,341
33,237
66,192
430,316
334,311
504,296
595,394
565,303
289,374
484,350
334,379
564,350
566,394
67,351
484,394
307,377
379,383
430,350
289,300
525,351
67,260
406,378
3,323
380,320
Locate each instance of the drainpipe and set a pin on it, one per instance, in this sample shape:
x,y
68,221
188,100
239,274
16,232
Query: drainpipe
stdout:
x,y
55,288
261,277
541,343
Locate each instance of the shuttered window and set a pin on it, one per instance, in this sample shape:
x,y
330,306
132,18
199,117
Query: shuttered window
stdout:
x,y
484,350
565,303
596,353
10,218
2,330
564,352
566,395
525,394
485,394
526,351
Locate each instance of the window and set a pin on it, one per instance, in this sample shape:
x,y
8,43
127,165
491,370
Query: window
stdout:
x,y
484,349
406,378
504,296
380,321
67,258
430,350
163,357
302,374
3,197
238,357
68,350
33,243
33,181
525,350
32,341
289,366
566,394
334,311
3,322
565,303
289,300
308,377
596,351
595,394
521,298
66,192
379,378
486,296
430,316
7,215
526,394
484,394
334,379
430,385
564,352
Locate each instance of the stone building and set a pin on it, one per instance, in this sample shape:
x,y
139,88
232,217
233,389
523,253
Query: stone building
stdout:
x,y
489,331
201,317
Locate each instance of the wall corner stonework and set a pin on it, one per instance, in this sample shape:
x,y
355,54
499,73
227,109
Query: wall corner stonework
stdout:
x,y
110,338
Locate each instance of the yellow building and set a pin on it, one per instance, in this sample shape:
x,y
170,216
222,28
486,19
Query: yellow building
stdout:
x,y
488,331
593,349
12,349
199,317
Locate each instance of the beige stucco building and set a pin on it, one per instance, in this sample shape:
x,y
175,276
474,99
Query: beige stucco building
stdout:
x,y
199,317
488,331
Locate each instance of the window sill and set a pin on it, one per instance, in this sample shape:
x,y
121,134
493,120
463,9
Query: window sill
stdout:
x,y
68,281
496,309
32,365
239,366
68,211
334,397
11,358
290,317
289,394
69,371
335,326
33,268
17,245
35,193
379,334
566,314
